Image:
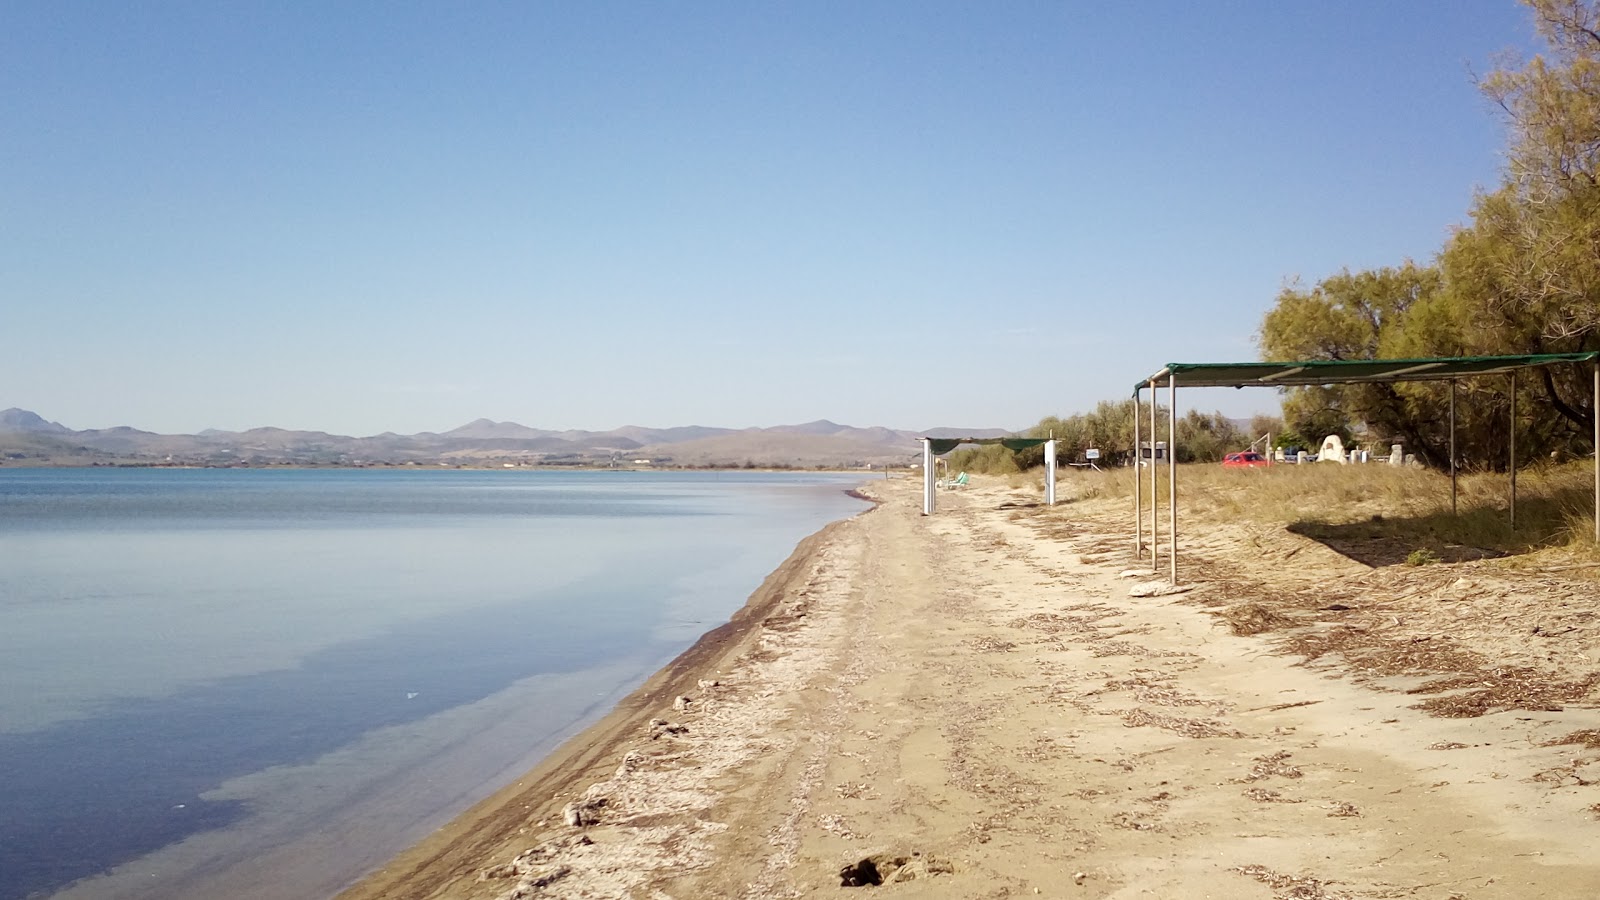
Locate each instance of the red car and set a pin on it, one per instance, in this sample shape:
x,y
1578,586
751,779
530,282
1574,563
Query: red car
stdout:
x,y
1249,459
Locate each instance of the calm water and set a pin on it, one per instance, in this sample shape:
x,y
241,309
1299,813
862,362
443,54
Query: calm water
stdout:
x,y
274,680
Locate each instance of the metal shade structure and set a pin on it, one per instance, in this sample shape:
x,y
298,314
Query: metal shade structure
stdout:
x,y
934,447
1354,371
1308,373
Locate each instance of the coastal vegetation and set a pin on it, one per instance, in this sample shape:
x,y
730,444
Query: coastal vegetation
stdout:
x,y
1109,428
1378,508
1523,277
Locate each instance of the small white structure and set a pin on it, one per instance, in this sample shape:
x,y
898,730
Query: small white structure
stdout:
x,y
933,448
1332,450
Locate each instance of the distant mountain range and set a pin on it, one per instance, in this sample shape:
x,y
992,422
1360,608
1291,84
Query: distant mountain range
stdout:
x,y
26,438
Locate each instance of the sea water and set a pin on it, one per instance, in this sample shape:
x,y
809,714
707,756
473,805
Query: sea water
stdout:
x,y
263,683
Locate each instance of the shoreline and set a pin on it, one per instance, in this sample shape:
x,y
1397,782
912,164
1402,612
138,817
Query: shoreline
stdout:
x,y
981,702
486,832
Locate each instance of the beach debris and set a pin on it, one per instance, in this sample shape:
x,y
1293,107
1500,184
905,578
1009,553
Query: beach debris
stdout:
x,y
504,870
632,761
661,727
1193,728
585,810
1262,795
1273,764
861,874
1134,822
1588,737
1132,573
836,825
1500,689
1158,589
1253,618
1297,887
886,868
1341,810
533,876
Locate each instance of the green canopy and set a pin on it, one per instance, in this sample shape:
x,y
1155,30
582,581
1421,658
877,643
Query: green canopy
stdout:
x,y
941,446
1348,371
1342,371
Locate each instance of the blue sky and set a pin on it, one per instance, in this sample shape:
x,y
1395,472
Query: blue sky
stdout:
x,y
403,216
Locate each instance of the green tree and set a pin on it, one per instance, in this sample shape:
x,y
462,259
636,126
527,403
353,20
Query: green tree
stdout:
x,y
1526,274
1349,316
1523,277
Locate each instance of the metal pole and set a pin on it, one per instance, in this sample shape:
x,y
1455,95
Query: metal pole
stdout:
x,y
1050,473
927,477
1513,452
1594,409
1155,523
1138,484
1172,466
1452,446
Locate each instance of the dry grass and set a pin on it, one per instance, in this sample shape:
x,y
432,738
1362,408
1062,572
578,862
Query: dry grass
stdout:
x,y
1404,509
1314,556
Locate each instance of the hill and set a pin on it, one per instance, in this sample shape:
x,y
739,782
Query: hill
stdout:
x,y
26,438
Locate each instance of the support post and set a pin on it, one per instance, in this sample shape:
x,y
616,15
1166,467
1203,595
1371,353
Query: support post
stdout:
x,y
928,501
1138,483
1513,452
1050,473
1155,523
1172,467
1594,409
1452,446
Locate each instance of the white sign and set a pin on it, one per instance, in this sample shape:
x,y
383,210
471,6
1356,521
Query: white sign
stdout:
x,y
1091,454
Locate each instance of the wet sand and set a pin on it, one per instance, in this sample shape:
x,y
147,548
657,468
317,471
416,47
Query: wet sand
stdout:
x,y
973,705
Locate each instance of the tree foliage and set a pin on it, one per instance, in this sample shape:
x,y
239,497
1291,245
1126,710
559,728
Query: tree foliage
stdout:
x,y
1202,437
1522,277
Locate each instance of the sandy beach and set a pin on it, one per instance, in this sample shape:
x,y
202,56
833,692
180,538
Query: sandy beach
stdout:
x,y
976,705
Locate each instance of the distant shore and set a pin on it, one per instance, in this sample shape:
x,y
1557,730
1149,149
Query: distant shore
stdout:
x,y
435,467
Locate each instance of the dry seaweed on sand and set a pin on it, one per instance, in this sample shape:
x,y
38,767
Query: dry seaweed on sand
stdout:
x,y
1253,618
1505,689
1290,887
1587,737
1263,795
1158,690
1273,764
1194,728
